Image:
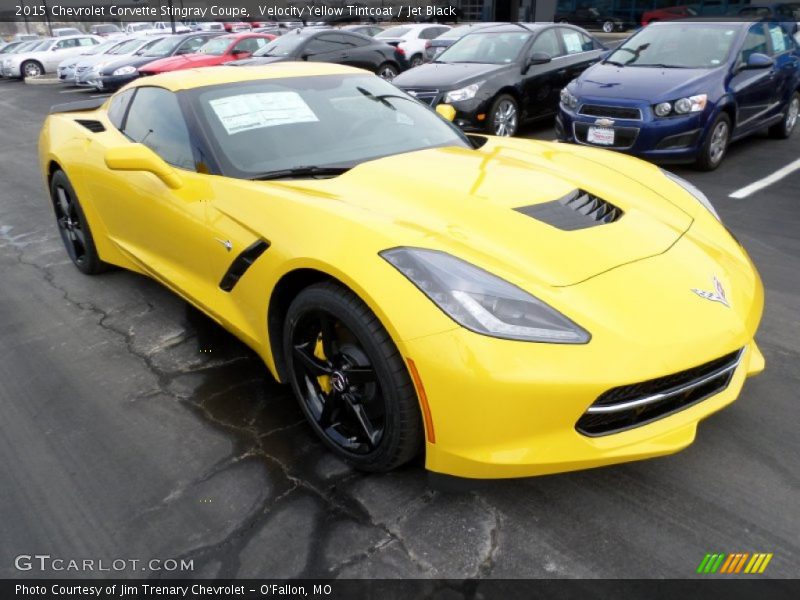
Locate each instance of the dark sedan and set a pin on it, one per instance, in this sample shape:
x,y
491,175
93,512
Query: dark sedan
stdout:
x,y
114,75
498,77
592,18
341,47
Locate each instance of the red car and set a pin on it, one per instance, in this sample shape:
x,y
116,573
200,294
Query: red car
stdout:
x,y
670,13
216,51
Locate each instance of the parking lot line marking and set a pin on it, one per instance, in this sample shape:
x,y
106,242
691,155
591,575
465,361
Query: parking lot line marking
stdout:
x,y
71,91
766,181
100,96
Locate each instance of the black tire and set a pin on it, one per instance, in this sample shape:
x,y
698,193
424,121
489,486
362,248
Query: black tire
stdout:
x,y
783,130
711,154
330,333
31,68
494,126
73,226
416,61
387,71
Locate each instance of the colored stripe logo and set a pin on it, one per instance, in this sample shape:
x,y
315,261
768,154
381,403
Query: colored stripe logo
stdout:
x,y
735,563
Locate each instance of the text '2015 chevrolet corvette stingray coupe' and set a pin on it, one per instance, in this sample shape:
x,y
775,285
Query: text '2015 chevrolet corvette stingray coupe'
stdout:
x,y
508,307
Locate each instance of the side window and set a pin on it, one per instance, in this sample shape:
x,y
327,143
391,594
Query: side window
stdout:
x,y
86,41
67,44
755,42
575,42
248,45
118,106
352,41
155,120
320,45
546,42
781,41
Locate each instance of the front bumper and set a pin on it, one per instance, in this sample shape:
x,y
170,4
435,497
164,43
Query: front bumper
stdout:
x,y
66,75
110,82
503,409
667,140
471,114
12,71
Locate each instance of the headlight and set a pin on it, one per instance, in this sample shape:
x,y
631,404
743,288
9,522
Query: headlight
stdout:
x,y
568,99
663,109
700,196
125,70
682,106
482,302
465,93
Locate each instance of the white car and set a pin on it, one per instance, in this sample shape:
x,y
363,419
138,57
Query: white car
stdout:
x,y
209,26
165,28
109,50
411,39
44,57
138,28
66,31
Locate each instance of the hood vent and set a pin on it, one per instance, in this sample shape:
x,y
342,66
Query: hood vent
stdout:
x,y
576,210
91,125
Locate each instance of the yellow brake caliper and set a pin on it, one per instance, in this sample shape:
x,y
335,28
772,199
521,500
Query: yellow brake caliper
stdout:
x,y
323,380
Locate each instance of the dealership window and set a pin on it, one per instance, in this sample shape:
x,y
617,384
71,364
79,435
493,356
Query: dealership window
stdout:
x,y
155,120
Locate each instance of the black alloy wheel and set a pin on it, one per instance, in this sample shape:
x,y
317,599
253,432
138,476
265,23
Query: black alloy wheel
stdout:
x,y
73,227
350,380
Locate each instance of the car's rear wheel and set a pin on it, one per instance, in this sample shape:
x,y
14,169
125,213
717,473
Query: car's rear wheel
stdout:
x,y
608,27
504,116
416,60
716,144
387,71
73,226
785,128
31,68
350,379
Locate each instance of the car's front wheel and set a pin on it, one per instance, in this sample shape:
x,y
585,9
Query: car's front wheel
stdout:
x,y
786,126
504,116
716,144
387,71
73,226
350,379
608,27
31,68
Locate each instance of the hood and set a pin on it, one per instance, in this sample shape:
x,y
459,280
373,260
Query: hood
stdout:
x,y
446,75
259,60
485,209
185,61
131,60
641,83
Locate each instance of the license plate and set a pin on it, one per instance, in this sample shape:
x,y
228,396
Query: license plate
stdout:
x,y
600,135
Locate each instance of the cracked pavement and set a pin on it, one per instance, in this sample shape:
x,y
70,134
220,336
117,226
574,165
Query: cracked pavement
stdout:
x,y
134,427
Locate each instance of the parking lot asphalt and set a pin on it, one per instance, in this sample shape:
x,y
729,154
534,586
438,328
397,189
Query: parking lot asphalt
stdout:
x,y
132,427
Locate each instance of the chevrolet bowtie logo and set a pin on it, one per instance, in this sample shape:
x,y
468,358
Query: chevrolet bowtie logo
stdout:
x,y
718,295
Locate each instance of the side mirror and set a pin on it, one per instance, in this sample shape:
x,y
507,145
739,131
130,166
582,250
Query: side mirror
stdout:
x,y
137,157
539,58
447,111
758,61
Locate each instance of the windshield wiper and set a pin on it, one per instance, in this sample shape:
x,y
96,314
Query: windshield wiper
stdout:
x,y
299,172
613,62
659,65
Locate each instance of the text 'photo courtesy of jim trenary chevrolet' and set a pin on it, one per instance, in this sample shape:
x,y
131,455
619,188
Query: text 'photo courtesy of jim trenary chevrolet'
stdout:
x,y
419,299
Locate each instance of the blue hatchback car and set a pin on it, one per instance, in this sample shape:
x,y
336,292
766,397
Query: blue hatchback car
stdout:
x,y
681,91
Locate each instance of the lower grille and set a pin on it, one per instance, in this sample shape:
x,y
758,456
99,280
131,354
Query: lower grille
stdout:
x,y
624,137
630,406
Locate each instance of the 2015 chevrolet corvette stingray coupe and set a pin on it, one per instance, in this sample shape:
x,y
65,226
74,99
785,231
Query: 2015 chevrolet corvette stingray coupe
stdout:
x,y
508,307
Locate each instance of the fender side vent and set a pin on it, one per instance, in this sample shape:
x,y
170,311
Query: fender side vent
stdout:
x,y
91,125
576,210
241,263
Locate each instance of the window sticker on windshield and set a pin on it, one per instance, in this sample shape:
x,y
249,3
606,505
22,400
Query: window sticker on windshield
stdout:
x,y
254,111
572,40
778,42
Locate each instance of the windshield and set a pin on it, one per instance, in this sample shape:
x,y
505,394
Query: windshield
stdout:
x,y
696,46
12,47
127,47
490,48
282,46
327,121
139,26
37,46
216,46
163,47
393,32
101,48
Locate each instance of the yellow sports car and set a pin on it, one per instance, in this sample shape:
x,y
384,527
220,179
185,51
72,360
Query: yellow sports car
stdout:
x,y
508,307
